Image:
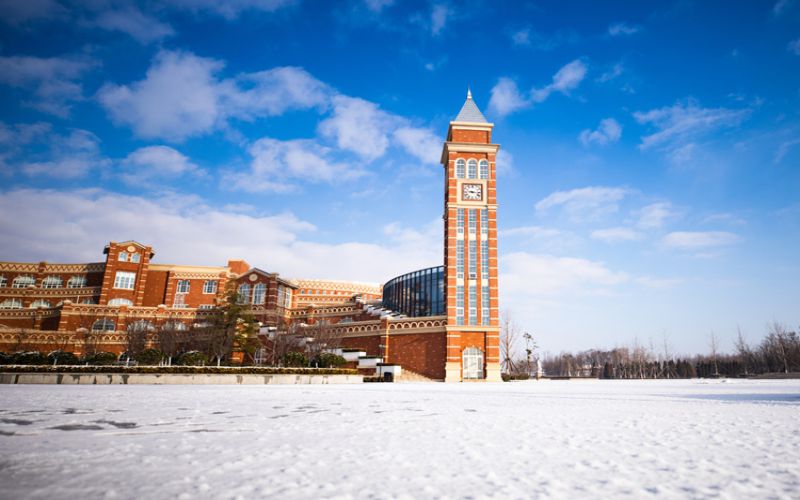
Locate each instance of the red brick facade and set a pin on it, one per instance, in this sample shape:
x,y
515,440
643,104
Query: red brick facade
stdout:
x,y
65,306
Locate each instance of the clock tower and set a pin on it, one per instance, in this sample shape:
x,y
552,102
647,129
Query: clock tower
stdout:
x,y
470,250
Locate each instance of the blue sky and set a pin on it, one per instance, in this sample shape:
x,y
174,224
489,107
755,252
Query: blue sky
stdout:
x,y
649,183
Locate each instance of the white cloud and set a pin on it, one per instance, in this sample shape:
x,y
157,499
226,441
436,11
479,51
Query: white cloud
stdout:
x,y
521,37
608,131
359,126
276,164
506,98
23,11
132,21
151,162
781,6
70,156
676,125
654,215
420,142
614,234
229,9
439,16
53,80
525,275
566,79
378,5
81,222
794,47
612,73
504,163
585,203
623,29
696,240
182,96
784,149
659,283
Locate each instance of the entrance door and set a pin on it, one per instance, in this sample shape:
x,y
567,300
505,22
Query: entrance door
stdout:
x,y
472,363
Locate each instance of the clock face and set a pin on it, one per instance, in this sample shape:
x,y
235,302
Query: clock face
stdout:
x,y
473,192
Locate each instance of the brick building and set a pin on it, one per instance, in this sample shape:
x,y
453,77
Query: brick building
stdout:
x,y
440,322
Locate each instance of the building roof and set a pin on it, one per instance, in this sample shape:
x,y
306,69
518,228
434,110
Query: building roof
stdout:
x,y
470,112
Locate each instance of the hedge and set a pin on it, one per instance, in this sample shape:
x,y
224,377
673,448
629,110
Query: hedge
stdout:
x,y
233,370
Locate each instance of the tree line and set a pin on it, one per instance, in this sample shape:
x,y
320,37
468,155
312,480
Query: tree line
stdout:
x,y
777,352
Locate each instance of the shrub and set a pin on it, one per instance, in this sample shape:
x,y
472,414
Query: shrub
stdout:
x,y
149,357
192,358
295,359
29,358
5,359
329,360
101,358
62,358
253,370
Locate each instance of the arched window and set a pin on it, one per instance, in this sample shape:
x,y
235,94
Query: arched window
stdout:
x,y
103,325
52,282
120,302
23,282
134,257
36,304
472,169
76,282
176,326
244,294
461,166
472,363
484,169
11,304
259,293
141,326
122,257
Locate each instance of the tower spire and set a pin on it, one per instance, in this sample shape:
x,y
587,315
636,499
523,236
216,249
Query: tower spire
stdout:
x,y
469,93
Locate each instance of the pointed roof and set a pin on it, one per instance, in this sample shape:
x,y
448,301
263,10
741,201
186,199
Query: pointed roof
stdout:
x,y
470,112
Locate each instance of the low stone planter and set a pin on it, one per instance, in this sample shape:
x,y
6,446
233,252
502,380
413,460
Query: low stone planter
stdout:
x,y
175,378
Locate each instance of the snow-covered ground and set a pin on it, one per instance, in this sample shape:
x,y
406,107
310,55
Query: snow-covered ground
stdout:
x,y
570,439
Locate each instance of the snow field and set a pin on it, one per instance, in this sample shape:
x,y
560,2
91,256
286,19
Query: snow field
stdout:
x,y
671,439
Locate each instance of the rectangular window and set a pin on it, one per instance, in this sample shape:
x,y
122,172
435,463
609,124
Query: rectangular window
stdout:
x,y
484,222
485,259
3,281
180,301
134,257
460,259
460,221
124,280
485,305
183,286
473,259
460,305
473,303
210,286
122,257
473,220
206,306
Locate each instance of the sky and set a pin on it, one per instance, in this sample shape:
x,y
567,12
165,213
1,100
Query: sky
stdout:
x,y
648,180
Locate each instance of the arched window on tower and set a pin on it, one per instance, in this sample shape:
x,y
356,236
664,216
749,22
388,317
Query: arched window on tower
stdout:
x,y
472,169
461,167
484,169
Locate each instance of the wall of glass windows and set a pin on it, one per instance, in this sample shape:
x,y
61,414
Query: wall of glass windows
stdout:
x,y
420,293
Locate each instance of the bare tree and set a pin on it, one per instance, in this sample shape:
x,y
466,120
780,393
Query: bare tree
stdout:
x,y
713,344
509,336
322,337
